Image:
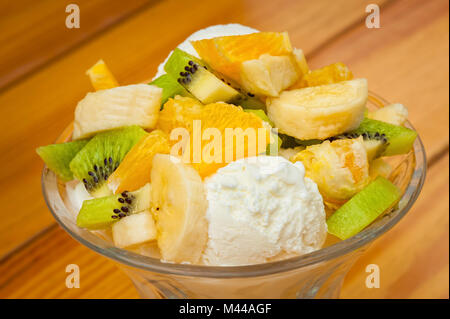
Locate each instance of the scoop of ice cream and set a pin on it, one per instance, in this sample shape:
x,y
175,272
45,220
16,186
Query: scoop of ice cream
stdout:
x,y
219,30
260,209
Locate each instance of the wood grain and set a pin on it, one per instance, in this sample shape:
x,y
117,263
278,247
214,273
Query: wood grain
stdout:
x,y
39,271
413,256
405,61
34,32
41,105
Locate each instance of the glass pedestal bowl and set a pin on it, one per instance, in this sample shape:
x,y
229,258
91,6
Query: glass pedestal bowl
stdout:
x,y
319,274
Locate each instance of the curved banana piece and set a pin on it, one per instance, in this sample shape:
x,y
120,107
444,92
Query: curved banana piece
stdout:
x,y
319,112
179,205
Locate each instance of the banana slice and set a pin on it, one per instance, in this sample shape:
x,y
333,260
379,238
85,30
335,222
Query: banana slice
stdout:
x,y
319,112
179,204
136,104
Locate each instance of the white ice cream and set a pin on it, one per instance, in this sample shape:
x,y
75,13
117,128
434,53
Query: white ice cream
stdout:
x,y
219,30
77,194
262,208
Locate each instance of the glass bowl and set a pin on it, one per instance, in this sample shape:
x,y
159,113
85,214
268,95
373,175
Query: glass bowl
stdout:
x,y
315,275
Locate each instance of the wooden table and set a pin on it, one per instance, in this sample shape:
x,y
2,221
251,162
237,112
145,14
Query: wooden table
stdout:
x,y
42,66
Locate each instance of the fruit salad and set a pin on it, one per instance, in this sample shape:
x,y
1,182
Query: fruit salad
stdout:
x,y
236,153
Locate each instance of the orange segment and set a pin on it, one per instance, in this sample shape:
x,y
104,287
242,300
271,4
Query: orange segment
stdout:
x,y
239,136
213,140
178,112
101,77
134,171
329,74
225,54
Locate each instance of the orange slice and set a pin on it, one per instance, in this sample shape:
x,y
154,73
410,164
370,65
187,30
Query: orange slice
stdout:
x,y
217,133
240,133
101,77
178,112
134,171
225,54
329,74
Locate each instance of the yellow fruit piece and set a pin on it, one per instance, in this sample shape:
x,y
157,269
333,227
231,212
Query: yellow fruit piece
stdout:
x,y
134,171
339,168
379,167
225,54
332,73
228,120
269,75
217,133
101,77
319,112
301,61
179,112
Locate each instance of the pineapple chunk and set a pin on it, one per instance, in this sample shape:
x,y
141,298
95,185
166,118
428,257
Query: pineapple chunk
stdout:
x,y
269,75
301,61
379,167
136,104
134,229
396,114
333,73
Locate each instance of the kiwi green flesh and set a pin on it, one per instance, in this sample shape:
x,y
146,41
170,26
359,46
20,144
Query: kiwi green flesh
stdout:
x,y
100,213
261,114
191,73
57,157
273,147
375,147
401,139
290,141
170,88
363,208
100,157
207,85
245,99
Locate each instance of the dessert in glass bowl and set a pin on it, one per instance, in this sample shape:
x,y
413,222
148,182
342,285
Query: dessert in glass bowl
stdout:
x,y
235,154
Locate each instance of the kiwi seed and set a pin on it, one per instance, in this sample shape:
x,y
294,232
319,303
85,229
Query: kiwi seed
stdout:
x,y
124,210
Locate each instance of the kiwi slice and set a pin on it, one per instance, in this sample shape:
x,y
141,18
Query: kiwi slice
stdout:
x,y
245,99
99,213
102,155
363,208
374,143
205,84
57,157
170,88
274,147
400,139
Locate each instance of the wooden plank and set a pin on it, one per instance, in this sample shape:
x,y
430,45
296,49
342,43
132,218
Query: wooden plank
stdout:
x,y
413,260
405,61
39,271
40,106
413,256
34,32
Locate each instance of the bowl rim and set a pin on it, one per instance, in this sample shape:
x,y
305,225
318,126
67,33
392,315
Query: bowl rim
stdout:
x,y
328,253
